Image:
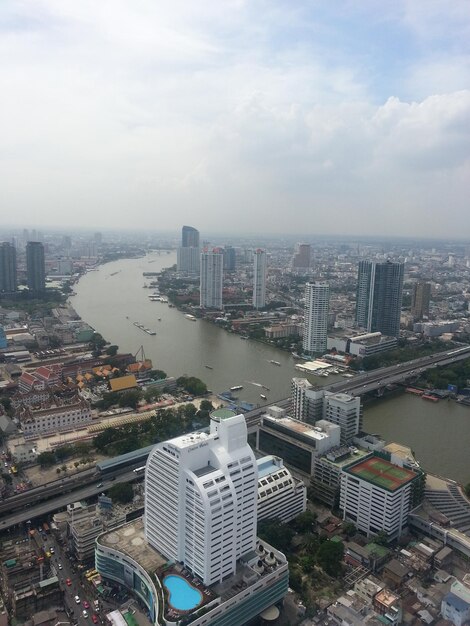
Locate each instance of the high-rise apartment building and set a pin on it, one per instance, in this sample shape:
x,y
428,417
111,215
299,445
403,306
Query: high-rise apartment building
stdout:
x,y
379,296
201,495
316,317
189,237
302,256
230,258
259,279
8,280
420,300
212,275
35,266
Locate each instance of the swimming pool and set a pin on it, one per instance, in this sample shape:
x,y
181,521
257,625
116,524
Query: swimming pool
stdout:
x,y
183,596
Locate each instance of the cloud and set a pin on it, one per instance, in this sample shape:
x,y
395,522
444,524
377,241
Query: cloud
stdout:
x,y
247,115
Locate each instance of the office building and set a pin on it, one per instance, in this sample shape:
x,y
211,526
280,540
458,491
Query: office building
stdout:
x,y
379,296
376,496
361,345
212,274
8,281
316,317
35,266
420,300
201,494
280,495
301,259
189,237
259,279
307,401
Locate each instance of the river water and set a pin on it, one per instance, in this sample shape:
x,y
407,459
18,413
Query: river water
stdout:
x,y
112,298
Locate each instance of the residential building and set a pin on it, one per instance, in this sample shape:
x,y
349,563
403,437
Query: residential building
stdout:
x,y
8,280
189,237
200,517
259,279
280,495
211,283
316,317
307,401
230,258
455,605
35,266
376,496
420,300
379,296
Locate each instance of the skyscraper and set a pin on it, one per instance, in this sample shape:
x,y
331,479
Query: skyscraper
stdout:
x,y
201,498
230,258
379,296
8,282
211,283
35,266
301,259
420,300
259,279
188,254
316,316
189,237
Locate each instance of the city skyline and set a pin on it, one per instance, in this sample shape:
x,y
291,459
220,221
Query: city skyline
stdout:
x,y
309,118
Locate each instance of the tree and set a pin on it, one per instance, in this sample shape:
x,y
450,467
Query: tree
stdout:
x,y
122,492
64,468
58,470
305,522
46,459
130,398
192,385
112,350
349,529
7,479
467,490
329,557
76,464
158,374
381,539
277,534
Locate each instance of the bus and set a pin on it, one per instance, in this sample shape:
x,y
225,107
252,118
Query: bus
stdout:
x,y
139,470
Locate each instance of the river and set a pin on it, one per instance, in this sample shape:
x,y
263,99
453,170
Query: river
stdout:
x,y
113,297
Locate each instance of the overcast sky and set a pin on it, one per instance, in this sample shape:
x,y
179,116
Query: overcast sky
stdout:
x,y
237,115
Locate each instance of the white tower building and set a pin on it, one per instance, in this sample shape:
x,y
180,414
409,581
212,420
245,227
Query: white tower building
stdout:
x,y
201,498
212,274
316,316
259,279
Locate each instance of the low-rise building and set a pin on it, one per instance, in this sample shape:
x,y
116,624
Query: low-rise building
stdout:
x,y
280,495
62,414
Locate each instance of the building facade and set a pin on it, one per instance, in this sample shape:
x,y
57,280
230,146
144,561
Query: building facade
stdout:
x,y
189,237
212,275
379,296
35,266
8,279
301,259
259,279
280,495
188,260
316,317
60,416
376,496
420,299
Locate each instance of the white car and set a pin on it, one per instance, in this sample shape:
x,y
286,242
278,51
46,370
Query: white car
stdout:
x,y
77,599
85,613
59,565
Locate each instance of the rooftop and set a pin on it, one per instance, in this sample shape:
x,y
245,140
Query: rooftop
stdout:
x,y
297,426
267,465
381,473
222,414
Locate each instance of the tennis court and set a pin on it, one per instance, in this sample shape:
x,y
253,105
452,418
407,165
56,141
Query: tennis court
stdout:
x,y
382,473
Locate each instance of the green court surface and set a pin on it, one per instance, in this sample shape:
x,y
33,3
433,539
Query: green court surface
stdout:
x,y
382,473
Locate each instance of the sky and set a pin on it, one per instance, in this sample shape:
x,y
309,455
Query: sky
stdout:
x,y
242,116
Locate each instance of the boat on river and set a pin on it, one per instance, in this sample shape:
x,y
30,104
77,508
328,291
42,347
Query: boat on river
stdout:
x,y
190,317
261,395
236,388
275,362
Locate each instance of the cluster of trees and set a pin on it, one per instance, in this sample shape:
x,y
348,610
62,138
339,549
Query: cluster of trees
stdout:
x,y
121,492
304,548
456,374
166,424
80,450
401,354
192,385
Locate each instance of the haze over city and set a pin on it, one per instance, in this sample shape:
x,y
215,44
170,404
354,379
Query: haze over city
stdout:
x,y
246,116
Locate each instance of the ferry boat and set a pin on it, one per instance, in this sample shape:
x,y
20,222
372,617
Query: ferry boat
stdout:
x,y
209,367
190,317
236,388
274,362
426,396
261,395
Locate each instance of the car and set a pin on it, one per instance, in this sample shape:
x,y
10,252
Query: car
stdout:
x,y
86,604
77,599
51,550
68,582
99,485
59,565
85,613
94,618
48,554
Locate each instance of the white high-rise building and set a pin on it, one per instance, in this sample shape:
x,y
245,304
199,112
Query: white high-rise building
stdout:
x,y
212,275
316,317
259,279
188,260
201,498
